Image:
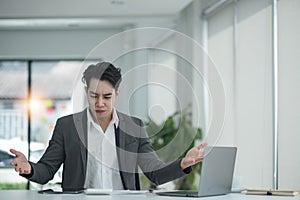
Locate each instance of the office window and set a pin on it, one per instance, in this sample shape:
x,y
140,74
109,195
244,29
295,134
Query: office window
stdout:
x,y
52,88
13,119
51,91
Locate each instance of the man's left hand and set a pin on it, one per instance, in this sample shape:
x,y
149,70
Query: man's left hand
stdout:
x,y
193,156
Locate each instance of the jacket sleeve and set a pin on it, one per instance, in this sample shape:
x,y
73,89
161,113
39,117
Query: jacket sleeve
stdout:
x,y
45,169
156,170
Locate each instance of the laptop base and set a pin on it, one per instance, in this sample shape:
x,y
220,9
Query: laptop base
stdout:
x,y
182,193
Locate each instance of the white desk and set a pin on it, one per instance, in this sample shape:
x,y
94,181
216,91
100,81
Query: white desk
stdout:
x,y
33,195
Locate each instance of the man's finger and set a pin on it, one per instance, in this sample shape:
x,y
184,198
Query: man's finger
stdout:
x,y
16,169
204,144
201,146
17,153
13,163
22,171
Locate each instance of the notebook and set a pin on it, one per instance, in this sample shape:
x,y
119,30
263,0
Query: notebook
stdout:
x,y
272,192
216,173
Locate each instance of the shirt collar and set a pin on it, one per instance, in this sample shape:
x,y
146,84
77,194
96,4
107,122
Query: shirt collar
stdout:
x,y
115,119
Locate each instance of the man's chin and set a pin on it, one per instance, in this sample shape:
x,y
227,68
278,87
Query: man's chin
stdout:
x,y
101,116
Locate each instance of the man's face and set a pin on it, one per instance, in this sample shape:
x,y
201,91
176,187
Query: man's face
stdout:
x,y
101,97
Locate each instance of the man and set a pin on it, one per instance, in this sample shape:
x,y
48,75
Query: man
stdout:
x,y
101,147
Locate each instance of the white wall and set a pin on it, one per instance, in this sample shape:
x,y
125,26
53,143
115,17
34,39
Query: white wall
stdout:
x,y
190,24
289,96
51,44
253,97
220,50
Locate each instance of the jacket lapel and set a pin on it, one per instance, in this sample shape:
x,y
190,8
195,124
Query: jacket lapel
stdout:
x,y
127,144
80,121
120,143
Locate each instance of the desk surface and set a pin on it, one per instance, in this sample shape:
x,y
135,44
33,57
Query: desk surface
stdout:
x,y
33,195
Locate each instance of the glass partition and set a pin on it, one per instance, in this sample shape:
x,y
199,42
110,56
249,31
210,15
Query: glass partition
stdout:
x,y
13,120
51,91
52,88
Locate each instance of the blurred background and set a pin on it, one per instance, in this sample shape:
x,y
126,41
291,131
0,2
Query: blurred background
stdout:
x,y
45,44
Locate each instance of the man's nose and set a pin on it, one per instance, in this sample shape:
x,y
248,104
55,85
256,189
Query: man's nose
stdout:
x,y
100,101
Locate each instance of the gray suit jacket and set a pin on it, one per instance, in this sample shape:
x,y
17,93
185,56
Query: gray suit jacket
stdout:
x,y
68,146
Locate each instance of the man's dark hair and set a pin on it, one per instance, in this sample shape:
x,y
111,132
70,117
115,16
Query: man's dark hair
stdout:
x,y
103,71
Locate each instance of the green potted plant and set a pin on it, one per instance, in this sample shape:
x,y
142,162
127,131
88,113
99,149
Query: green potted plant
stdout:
x,y
179,126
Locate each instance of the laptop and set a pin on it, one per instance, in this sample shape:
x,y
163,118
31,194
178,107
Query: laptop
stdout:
x,y
216,173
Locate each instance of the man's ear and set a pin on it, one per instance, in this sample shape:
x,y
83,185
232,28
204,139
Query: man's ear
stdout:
x,y
117,92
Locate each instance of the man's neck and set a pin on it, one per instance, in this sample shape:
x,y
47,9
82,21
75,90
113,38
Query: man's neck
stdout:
x,y
104,124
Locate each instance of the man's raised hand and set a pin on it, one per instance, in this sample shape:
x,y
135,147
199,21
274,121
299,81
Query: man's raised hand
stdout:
x,y
20,162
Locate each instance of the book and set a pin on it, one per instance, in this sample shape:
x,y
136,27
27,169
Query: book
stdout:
x,y
272,192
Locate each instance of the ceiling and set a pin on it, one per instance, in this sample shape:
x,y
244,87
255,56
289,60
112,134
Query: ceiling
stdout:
x,y
27,14
89,8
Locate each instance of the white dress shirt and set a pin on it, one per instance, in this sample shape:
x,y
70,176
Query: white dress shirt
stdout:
x,y
102,161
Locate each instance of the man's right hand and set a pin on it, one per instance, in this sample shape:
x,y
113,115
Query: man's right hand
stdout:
x,y
20,162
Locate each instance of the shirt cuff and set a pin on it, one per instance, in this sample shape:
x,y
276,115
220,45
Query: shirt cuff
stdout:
x,y
187,170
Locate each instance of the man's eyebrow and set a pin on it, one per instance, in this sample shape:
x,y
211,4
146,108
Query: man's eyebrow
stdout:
x,y
107,94
93,92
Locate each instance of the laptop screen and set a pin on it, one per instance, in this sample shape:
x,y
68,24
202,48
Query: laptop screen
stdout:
x,y
217,171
